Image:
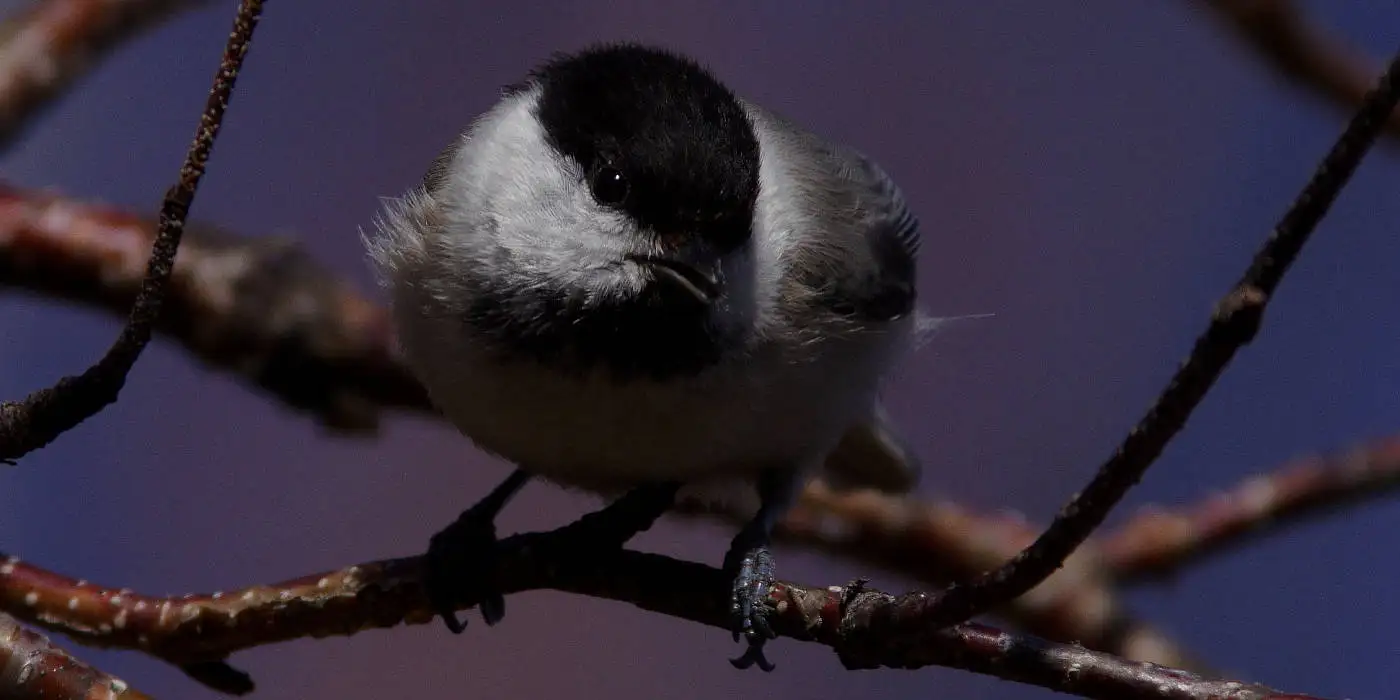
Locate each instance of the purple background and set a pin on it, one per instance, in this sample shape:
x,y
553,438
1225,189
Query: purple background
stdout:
x,y
1095,173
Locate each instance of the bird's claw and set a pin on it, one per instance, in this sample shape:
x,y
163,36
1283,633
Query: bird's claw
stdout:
x,y
460,564
749,609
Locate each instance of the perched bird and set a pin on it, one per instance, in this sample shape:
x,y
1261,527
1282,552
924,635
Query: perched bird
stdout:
x,y
627,279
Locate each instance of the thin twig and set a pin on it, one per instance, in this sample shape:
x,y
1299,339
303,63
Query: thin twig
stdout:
x,y
1299,51
49,46
1234,323
866,628
42,416
1158,543
32,668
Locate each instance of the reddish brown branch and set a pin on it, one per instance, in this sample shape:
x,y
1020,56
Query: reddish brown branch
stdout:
x,y
866,628
39,418
1158,543
48,47
32,668
1299,51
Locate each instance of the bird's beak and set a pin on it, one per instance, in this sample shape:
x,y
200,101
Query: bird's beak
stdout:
x,y
701,285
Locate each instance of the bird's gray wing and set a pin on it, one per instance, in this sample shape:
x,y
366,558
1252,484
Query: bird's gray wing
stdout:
x,y
880,282
878,287
857,272
872,453
858,266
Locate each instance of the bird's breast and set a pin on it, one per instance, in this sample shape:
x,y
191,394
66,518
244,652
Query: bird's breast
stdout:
x,y
598,433
769,408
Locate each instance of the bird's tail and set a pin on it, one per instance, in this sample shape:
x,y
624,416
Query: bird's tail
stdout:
x,y
873,454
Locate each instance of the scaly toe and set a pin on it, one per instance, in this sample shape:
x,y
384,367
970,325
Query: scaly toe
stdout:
x,y
749,609
753,656
459,564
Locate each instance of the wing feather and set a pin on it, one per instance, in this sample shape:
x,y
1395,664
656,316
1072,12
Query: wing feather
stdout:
x,y
887,289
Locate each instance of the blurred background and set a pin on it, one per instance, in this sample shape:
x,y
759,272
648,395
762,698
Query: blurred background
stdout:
x,y
1095,173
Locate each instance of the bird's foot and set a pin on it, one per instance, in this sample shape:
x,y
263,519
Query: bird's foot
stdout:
x,y
749,609
460,564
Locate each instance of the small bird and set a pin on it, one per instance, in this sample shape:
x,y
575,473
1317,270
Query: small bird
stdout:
x,y
626,279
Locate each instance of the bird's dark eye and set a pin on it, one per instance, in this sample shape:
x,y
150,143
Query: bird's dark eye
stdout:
x,y
609,185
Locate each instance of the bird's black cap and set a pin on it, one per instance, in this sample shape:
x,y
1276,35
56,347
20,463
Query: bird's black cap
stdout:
x,y
658,129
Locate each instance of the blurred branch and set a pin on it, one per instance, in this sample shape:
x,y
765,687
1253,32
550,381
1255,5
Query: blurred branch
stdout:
x,y
48,47
866,628
32,668
1159,543
1299,51
261,308
1233,324
41,417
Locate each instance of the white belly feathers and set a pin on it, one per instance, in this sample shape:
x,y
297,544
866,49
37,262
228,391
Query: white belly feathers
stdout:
x,y
751,413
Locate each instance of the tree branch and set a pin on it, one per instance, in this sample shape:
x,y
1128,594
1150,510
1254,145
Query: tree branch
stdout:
x,y
32,668
1234,324
1158,543
947,543
48,47
1279,32
940,543
866,628
42,416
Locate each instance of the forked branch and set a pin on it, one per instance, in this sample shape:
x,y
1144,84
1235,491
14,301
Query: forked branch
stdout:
x,y
866,628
